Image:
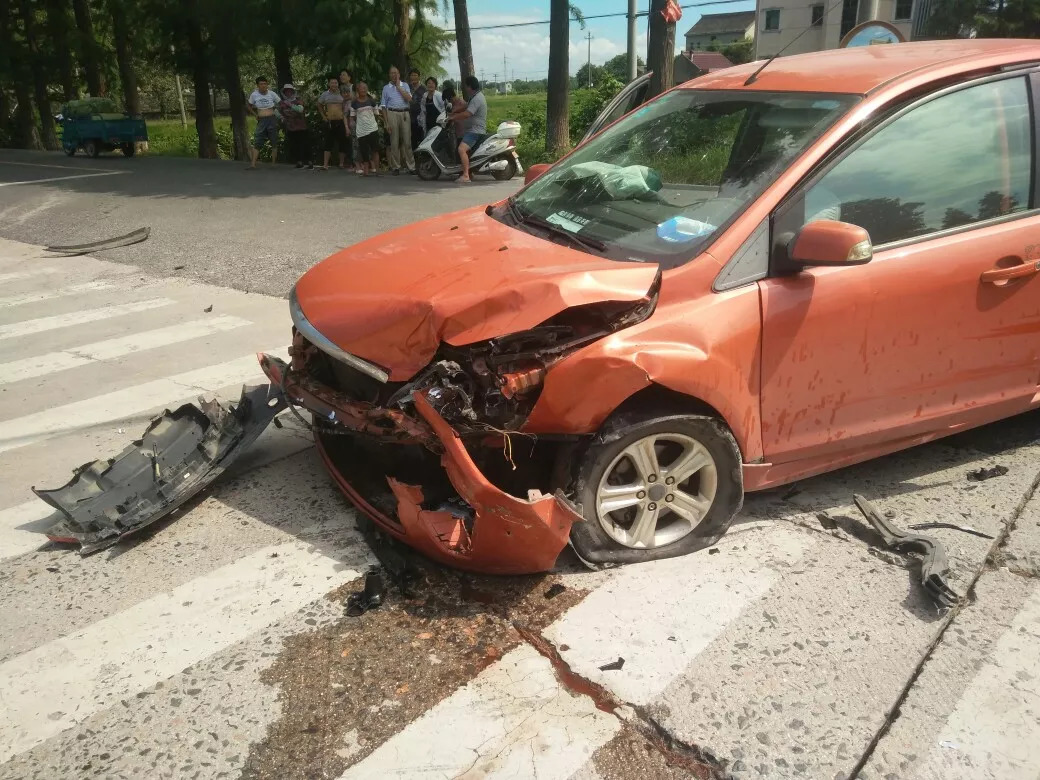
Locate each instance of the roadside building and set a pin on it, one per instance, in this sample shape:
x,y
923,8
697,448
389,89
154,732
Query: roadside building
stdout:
x,y
717,30
780,22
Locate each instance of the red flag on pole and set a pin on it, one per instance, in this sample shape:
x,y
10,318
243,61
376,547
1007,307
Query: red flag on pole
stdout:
x,y
672,12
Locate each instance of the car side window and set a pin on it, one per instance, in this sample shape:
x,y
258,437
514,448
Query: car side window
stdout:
x,y
958,159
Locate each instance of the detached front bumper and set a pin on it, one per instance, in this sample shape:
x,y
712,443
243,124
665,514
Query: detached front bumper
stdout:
x,y
504,535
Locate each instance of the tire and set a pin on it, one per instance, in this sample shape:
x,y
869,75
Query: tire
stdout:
x,y
506,173
128,149
711,494
427,169
92,148
70,151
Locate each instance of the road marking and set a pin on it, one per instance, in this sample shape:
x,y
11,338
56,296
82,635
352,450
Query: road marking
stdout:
x,y
43,324
15,541
513,720
57,685
62,292
53,362
60,178
61,167
10,277
126,403
994,731
659,632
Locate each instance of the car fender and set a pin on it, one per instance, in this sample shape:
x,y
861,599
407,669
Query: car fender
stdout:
x,y
583,390
703,346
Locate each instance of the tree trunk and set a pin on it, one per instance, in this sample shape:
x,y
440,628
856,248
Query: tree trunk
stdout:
x,y
660,55
124,56
39,76
280,43
227,45
462,39
201,80
401,37
88,47
557,128
28,133
58,32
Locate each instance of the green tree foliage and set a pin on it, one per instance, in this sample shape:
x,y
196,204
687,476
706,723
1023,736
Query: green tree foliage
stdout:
x,y
617,66
218,48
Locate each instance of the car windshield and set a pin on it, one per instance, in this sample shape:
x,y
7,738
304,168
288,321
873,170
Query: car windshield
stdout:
x,y
656,186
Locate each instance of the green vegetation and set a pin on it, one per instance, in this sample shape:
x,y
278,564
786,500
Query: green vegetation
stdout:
x,y
166,137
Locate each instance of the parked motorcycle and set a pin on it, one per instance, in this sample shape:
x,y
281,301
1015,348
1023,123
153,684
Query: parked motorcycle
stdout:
x,y
496,154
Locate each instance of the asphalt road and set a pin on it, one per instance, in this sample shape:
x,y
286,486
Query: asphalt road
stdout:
x,y
256,231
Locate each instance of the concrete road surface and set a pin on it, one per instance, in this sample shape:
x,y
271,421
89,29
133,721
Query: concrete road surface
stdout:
x,y
215,644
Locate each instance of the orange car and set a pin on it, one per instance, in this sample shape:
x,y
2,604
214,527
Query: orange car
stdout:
x,y
761,275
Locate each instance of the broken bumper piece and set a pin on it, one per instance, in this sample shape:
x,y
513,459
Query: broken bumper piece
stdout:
x,y
934,565
491,533
180,454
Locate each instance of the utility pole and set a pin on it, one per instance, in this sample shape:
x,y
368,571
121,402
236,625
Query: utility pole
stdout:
x,y
180,92
633,60
588,37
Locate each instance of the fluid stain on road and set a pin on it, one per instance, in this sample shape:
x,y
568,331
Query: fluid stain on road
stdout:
x,y
348,687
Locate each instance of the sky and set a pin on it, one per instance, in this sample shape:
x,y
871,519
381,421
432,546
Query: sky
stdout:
x,y
526,49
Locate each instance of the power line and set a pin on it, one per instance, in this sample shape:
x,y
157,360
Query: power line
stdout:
x,y
598,16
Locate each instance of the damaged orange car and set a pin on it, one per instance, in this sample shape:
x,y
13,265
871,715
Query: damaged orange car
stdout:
x,y
767,273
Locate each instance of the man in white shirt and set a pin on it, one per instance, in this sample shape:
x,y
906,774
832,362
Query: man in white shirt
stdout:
x,y
262,105
395,102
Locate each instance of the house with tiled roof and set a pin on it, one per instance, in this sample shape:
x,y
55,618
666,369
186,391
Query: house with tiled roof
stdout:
x,y
720,29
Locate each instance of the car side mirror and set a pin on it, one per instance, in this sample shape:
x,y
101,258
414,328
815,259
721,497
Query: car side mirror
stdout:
x,y
826,242
535,171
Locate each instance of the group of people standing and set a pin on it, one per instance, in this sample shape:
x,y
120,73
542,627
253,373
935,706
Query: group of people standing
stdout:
x,y
350,118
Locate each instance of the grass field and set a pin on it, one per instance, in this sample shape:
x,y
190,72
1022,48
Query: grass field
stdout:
x,y
166,137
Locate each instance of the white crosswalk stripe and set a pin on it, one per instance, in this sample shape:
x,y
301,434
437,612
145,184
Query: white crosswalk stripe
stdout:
x,y
23,431
43,324
52,362
118,656
15,540
36,297
780,654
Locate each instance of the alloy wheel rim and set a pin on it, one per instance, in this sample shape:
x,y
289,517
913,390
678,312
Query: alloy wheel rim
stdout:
x,y
656,491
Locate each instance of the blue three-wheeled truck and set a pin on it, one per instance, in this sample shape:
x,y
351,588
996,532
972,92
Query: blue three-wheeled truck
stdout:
x,y
96,125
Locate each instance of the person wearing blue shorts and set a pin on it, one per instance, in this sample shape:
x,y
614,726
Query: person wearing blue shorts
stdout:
x,y
474,119
262,105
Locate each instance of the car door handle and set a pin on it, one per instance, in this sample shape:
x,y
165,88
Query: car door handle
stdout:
x,y
1020,271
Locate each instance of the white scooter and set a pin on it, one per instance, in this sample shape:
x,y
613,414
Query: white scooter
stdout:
x,y
496,155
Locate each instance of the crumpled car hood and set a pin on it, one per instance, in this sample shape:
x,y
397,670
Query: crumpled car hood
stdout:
x,y
460,279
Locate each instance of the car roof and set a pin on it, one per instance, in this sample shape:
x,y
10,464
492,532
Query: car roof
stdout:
x,y
862,69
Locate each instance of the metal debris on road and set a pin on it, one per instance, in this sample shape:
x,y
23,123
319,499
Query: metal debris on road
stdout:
x,y
613,666
180,454
953,527
555,590
981,475
934,565
74,250
370,597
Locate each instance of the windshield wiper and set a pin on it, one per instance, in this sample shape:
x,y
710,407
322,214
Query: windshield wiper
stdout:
x,y
544,224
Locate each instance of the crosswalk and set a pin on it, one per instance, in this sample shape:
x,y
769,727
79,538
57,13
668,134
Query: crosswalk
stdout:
x,y
778,654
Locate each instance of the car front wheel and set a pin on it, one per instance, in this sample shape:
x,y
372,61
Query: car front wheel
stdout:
x,y
656,487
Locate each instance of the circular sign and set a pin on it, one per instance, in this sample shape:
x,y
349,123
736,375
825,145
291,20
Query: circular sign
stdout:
x,y
871,33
